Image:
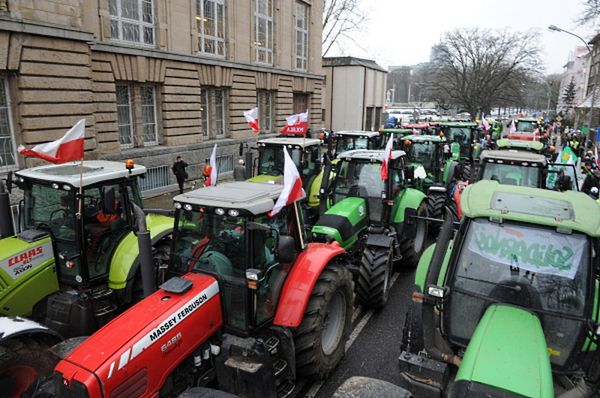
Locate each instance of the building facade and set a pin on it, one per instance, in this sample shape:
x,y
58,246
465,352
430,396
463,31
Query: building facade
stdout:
x,y
155,78
575,71
354,94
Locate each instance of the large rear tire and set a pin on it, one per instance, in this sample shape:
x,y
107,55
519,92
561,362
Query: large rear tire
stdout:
x,y
320,340
24,364
374,274
412,248
436,203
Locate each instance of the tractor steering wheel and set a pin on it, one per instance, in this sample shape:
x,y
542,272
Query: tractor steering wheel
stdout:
x,y
58,211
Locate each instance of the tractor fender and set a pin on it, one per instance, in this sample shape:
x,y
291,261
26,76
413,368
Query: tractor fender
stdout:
x,y
13,326
301,281
380,240
436,190
410,198
125,261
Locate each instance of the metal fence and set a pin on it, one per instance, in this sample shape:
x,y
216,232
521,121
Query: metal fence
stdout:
x,y
224,163
156,177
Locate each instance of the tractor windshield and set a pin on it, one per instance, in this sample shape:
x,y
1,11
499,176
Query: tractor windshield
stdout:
x,y
526,126
270,161
343,144
422,153
209,243
512,174
461,135
528,266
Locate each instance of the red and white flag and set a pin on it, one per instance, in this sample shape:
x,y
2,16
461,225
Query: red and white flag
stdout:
x,y
596,156
512,129
67,148
415,132
252,119
212,178
296,124
387,157
292,185
484,125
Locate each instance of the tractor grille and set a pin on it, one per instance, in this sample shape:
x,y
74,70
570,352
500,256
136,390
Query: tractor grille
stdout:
x,y
133,387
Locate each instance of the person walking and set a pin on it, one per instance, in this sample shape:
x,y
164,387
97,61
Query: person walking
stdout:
x,y
179,171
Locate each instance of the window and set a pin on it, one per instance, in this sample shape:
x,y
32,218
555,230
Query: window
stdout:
x,y
263,31
210,19
7,144
139,101
369,119
124,116
148,115
224,163
214,112
301,32
300,103
132,21
264,101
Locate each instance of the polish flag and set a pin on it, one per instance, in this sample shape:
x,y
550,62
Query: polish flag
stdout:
x,y
387,157
292,185
415,132
252,119
536,133
67,148
212,178
296,124
484,124
596,156
512,129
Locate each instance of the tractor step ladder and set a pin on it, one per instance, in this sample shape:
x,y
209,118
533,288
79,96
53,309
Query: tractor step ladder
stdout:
x,y
279,366
286,389
272,345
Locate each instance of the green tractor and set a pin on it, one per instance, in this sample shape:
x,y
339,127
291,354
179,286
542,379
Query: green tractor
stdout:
x,y
347,140
520,145
464,145
75,264
306,154
369,218
507,304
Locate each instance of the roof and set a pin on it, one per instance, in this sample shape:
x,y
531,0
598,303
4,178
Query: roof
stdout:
x,y
526,119
257,198
512,155
397,131
457,124
568,210
352,61
425,138
373,155
416,125
355,133
94,171
506,143
294,141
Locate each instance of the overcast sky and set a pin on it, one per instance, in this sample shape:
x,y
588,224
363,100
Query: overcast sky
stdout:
x,y
401,32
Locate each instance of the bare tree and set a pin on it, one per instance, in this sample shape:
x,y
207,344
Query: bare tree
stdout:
x,y
476,69
590,13
340,19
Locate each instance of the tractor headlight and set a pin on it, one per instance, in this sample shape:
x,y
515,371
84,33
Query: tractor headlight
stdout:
x,y
233,213
436,291
177,205
219,211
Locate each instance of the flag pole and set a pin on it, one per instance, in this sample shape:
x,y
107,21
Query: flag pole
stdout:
x,y
300,231
80,212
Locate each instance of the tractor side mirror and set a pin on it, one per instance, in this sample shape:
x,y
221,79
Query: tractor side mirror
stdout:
x,y
108,200
286,249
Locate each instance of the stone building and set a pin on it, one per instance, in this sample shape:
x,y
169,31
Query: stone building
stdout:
x,y
155,78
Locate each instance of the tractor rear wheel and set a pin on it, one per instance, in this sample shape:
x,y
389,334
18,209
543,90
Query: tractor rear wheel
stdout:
x,y
320,339
436,203
374,274
24,364
412,248
412,332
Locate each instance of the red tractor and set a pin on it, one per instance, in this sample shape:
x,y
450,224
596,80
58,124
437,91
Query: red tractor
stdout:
x,y
253,308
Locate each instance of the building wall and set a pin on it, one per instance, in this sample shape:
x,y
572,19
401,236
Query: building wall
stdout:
x,y
576,69
356,91
61,65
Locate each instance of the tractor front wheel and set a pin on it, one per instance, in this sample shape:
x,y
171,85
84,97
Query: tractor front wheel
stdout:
x,y
24,364
320,339
374,274
412,248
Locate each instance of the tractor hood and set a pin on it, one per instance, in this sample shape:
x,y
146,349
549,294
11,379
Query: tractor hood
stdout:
x,y
154,335
343,221
267,178
507,352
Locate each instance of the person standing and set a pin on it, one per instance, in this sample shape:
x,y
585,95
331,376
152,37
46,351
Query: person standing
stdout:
x,y
179,171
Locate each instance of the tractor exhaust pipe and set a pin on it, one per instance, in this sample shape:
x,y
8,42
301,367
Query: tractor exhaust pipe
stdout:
x,y
441,354
145,250
6,225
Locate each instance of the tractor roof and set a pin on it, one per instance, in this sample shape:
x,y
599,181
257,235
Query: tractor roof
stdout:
x,y
457,124
512,155
355,133
505,143
416,125
569,210
253,197
372,155
293,141
526,119
94,171
425,138
397,131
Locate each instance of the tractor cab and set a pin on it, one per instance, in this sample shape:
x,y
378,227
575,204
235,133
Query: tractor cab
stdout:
x,y
84,228
305,152
428,151
509,298
461,135
521,145
226,232
398,135
512,167
348,140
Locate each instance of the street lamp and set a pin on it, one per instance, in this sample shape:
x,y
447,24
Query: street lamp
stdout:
x,y
554,28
